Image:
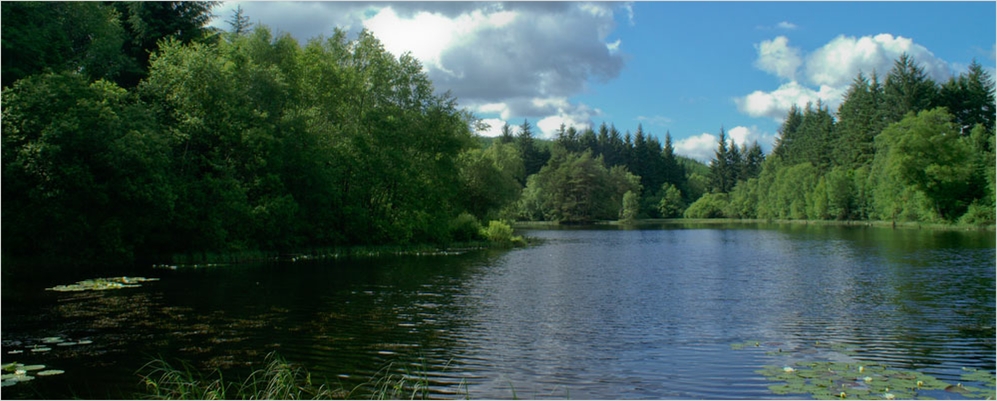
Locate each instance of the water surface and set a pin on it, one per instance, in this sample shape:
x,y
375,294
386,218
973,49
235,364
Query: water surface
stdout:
x,y
590,313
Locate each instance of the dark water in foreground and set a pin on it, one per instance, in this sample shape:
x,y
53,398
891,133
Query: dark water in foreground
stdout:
x,y
605,313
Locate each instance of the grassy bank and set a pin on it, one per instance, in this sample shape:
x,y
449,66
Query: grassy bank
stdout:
x,y
855,223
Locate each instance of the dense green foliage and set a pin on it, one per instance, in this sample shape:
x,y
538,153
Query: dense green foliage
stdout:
x,y
251,142
131,131
907,150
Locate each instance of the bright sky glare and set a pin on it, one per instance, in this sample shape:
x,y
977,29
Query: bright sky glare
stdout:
x,y
688,68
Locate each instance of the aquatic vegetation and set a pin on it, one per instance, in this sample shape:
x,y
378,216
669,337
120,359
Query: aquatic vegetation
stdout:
x,y
101,284
861,380
740,346
278,380
14,373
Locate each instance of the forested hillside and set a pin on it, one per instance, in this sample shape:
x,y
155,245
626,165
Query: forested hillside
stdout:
x,y
132,132
907,149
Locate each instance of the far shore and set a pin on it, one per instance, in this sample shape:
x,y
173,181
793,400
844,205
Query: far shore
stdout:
x,y
680,221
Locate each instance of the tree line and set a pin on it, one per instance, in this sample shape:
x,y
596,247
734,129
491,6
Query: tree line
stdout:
x,y
120,148
227,142
131,131
907,149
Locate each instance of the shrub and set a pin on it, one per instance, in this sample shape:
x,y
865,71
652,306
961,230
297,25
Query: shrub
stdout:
x,y
465,227
500,233
978,215
709,206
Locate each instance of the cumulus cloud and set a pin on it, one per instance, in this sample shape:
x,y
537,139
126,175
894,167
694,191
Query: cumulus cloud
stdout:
x,y
700,147
776,104
744,136
508,60
827,72
776,57
494,127
703,147
841,59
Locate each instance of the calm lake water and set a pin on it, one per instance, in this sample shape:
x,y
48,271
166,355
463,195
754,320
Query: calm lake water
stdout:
x,y
590,313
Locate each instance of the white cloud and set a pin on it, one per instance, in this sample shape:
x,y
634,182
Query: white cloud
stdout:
x,y
703,147
840,60
426,35
776,104
786,25
494,127
828,71
629,8
613,47
745,136
510,60
776,57
700,147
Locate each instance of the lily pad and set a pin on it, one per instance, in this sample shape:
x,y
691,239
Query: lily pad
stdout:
x,y
6,383
41,349
102,284
52,340
16,351
33,367
66,344
84,342
50,372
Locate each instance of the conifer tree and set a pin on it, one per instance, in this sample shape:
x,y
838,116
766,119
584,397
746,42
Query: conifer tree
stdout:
x,y
907,89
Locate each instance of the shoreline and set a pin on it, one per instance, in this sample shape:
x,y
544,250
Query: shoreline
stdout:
x,y
855,223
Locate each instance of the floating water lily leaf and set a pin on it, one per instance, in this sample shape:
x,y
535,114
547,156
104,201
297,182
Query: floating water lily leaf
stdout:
x,y
739,346
33,367
6,383
66,344
8,366
52,340
16,377
51,372
979,376
84,342
41,349
16,351
101,284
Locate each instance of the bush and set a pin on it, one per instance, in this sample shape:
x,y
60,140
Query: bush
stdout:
x,y
709,206
500,233
465,227
631,206
978,215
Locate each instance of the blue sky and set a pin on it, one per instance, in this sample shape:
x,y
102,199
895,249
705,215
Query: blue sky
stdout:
x,y
687,68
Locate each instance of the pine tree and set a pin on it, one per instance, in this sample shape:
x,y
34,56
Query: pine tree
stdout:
x,y
787,132
720,168
735,161
753,159
860,118
970,98
908,89
533,158
239,22
506,136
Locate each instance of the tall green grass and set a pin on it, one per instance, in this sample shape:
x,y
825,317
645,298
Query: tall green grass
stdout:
x,y
278,380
